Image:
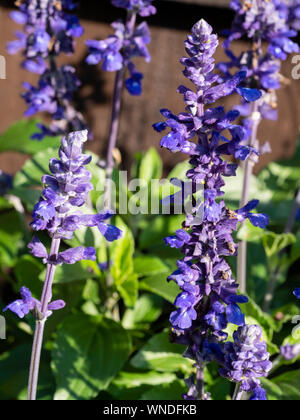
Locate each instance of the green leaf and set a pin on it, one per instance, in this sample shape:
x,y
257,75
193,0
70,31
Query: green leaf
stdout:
x,y
251,309
166,392
161,355
18,139
250,233
180,170
27,182
274,242
160,286
132,385
148,265
14,374
122,270
233,190
153,233
11,237
27,271
69,273
288,383
129,290
122,254
88,352
147,309
151,166
274,392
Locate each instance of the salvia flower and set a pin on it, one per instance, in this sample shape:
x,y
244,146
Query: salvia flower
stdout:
x,y
293,19
49,30
57,212
297,293
22,307
246,360
262,21
142,7
208,301
290,352
129,41
64,191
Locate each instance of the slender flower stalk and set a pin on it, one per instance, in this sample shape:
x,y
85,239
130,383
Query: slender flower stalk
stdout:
x,y
116,54
40,323
115,118
56,212
49,30
261,21
209,299
248,171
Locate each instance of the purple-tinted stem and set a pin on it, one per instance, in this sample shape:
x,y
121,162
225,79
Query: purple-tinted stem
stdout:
x,y
40,324
275,274
115,118
248,172
238,394
200,382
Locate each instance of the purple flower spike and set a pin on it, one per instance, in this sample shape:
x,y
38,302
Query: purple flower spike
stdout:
x,y
49,30
117,51
209,300
246,359
290,352
142,7
66,189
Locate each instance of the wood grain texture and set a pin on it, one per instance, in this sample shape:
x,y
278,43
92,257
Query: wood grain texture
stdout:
x,y
162,77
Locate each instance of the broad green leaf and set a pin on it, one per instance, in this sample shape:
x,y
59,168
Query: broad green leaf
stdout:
x,y
151,166
14,374
88,352
251,309
18,139
148,265
122,254
129,290
250,233
161,355
5,204
153,233
134,379
274,243
11,237
132,385
180,170
27,182
27,271
233,190
69,273
165,392
91,291
220,389
274,392
288,383
147,309
122,270
159,285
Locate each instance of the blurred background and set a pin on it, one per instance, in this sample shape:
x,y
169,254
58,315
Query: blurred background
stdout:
x,y
169,28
